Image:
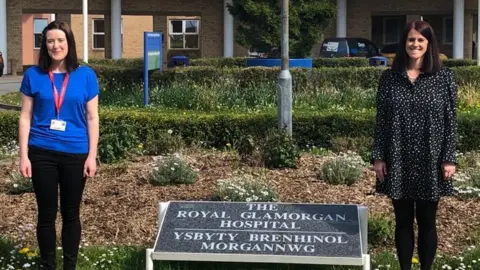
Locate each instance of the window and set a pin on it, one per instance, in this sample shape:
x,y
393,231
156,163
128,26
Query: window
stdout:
x,y
184,34
447,35
372,50
98,33
391,30
38,26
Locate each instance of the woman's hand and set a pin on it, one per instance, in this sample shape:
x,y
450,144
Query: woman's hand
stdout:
x,y
90,167
25,167
448,169
380,168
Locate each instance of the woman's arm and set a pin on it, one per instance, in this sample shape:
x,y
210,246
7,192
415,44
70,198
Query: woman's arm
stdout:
x,y
93,127
450,118
93,133
23,134
378,153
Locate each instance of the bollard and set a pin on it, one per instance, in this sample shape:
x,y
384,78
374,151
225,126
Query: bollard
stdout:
x,y
13,67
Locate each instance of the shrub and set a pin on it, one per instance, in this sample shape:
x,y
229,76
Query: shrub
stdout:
x,y
343,169
118,140
123,130
16,255
9,150
280,150
122,62
381,231
244,188
343,75
250,150
459,62
361,145
341,62
220,62
171,170
467,183
17,184
161,142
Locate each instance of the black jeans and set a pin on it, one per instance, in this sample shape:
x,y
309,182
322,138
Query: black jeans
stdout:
x,y
425,213
50,170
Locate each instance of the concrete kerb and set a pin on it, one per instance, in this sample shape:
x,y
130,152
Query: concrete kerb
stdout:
x,y
9,107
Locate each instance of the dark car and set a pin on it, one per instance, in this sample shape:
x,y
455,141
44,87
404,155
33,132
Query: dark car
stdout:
x,y
348,47
2,64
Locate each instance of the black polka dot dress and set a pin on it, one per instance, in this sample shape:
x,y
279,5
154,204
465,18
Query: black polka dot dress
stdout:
x,y
415,133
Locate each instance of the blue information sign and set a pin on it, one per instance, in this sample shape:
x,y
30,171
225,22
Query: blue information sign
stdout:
x,y
152,57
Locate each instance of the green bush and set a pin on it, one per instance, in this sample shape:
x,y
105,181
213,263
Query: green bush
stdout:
x,y
17,184
304,80
361,145
123,130
381,231
280,150
161,142
231,62
220,62
341,62
459,62
343,169
171,170
250,150
118,140
113,78
123,62
244,188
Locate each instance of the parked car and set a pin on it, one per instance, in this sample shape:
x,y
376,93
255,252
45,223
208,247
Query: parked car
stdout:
x,y
2,64
348,47
390,50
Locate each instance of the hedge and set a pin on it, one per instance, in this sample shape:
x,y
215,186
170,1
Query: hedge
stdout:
x,y
122,130
303,79
223,62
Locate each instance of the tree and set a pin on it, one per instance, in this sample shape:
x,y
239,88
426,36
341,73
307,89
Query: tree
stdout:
x,y
259,24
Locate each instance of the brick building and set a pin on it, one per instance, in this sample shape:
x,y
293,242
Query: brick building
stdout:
x,y
132,41
203,28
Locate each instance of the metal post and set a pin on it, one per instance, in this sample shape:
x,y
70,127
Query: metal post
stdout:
x,y
85,30
478,34
148,259
284,91
3,35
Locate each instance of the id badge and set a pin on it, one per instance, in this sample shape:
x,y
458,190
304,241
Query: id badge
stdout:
x,y
58,125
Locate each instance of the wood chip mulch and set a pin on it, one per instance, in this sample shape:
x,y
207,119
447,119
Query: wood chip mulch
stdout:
x,y
120,206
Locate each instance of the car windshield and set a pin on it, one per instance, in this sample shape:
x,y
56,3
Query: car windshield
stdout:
x,y
333,48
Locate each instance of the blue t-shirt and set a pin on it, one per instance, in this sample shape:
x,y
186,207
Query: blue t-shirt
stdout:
x,y
82,87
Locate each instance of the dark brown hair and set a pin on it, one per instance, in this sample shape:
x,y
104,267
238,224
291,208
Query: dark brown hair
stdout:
x,y
71,60
431,61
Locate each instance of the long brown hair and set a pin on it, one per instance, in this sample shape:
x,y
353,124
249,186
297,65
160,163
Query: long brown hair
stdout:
x,y
71,60
431,61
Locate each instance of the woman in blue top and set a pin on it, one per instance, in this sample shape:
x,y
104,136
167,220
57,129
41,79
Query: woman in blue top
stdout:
x,y
58,137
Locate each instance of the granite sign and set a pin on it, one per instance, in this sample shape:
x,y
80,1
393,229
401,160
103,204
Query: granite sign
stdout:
x,y
332,234
260,228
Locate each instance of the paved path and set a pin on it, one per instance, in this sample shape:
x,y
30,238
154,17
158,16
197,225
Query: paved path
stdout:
x,y
9,83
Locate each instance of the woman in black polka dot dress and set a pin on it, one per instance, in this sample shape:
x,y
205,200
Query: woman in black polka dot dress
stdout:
x,y
414,145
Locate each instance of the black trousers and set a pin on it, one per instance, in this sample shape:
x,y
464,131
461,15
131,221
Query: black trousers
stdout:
x,y
425,213
51,170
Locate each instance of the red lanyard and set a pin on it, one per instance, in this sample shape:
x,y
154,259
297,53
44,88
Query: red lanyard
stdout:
x,y
59,100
